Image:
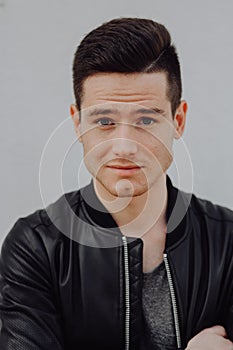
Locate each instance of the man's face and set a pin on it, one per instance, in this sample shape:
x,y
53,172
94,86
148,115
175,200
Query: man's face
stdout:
x,y
127,130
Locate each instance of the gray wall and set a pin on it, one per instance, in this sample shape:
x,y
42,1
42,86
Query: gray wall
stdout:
x,y
38,39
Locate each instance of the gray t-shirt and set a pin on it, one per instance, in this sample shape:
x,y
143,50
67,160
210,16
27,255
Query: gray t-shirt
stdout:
x,y
158,328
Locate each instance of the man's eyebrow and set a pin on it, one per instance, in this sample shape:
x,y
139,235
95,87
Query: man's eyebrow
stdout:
x,y
153,110
106,111
101,111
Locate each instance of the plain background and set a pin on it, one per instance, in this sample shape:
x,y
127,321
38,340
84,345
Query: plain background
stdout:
x,y
37,43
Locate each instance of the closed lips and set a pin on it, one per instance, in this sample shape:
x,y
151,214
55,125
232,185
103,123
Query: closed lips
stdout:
x,y
125,167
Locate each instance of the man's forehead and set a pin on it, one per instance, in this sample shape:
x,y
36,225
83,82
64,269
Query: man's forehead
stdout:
x,y
124,85
130,91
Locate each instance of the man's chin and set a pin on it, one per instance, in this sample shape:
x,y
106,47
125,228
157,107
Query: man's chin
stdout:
x,y
131,192
123,188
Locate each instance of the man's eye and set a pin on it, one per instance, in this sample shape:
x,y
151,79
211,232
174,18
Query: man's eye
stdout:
x,y
146,121
105,122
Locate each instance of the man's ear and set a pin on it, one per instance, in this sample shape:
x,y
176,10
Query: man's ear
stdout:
x,y
180,119
76,120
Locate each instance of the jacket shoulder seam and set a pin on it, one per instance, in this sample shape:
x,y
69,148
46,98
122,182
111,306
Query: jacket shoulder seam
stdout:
x,y
205,213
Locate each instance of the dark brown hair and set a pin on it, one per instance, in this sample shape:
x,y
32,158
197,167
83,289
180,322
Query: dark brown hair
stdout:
x,y
128,45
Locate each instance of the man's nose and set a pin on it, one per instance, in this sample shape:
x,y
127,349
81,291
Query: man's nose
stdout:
x,y
123,143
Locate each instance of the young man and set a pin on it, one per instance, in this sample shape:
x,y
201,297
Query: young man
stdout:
x,y
129,261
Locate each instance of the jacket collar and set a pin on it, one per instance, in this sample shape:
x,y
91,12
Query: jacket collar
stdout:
x,y
176,213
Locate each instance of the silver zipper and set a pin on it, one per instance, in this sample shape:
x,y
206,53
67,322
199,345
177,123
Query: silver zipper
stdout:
x,y
127,294
174,303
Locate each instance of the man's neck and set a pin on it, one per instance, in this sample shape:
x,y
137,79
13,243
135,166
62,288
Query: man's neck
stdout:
x,y
137,216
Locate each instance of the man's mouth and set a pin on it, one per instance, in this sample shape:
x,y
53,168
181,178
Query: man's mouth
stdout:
x,y
124,169
124,166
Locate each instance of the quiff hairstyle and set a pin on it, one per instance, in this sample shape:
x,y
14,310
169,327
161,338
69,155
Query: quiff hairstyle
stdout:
x,y
128,45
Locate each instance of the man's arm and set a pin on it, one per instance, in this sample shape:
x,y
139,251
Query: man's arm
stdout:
x,y
214,338
29,317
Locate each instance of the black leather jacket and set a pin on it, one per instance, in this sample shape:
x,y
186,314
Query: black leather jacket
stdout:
x,y
85,292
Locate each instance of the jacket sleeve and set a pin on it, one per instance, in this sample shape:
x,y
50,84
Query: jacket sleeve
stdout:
x,y
29,317
228,319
